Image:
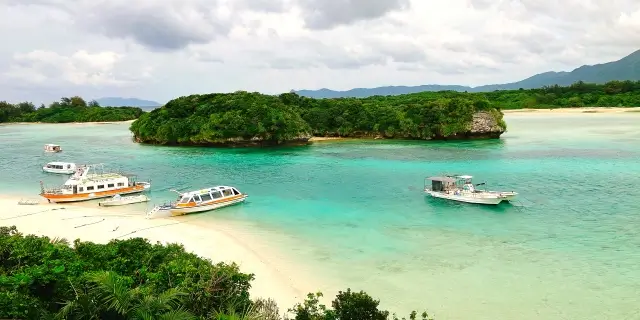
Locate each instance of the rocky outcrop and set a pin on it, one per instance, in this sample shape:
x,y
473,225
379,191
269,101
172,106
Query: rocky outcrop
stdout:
x,y
486,125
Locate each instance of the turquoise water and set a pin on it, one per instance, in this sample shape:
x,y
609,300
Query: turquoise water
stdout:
x,y
354,215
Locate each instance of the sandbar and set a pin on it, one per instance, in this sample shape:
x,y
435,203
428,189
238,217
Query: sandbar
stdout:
x,y
572,110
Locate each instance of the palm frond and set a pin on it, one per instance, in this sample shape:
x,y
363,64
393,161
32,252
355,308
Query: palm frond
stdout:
x,y
177,315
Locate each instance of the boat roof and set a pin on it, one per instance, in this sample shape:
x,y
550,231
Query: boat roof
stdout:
x,y
206,190
464,177
442,179
60,163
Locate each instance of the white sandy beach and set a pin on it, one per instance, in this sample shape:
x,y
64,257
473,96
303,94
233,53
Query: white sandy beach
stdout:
x,y
89,222
572,110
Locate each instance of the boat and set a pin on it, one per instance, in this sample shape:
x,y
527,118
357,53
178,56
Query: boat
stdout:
x,y
60,167
200,201
119,200
28,202
461,188
49,147
88,183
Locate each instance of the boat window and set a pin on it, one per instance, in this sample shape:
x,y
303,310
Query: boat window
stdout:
x,y
206,197
196,198
110,185
226,192
235,191
89,188
185,199
120,184
216,194
101,186
81,189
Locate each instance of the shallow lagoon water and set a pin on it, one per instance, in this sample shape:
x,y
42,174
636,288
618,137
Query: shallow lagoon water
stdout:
x,y
352,213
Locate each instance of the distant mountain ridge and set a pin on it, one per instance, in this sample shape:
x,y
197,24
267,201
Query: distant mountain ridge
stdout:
x,y
126,102
627,68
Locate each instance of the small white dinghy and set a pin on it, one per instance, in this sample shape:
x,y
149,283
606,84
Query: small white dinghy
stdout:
x,y
119,200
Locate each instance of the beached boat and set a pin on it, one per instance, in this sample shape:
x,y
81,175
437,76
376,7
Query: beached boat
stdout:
x,y
201,200
52,148
460,188
89,182
119,200
60,167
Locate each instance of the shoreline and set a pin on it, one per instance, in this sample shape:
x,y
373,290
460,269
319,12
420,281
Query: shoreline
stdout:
x,y
573,110
88,222
89,122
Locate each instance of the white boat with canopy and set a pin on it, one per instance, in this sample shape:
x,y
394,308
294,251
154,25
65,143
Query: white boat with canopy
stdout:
x,y
201,200
60,167
461,188
119,200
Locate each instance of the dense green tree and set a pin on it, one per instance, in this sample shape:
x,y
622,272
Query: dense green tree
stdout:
x,y
43,278
253,118
68,109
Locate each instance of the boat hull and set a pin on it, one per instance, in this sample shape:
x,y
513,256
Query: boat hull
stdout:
x,y
124,201
174,211
492,199
59,171
208,207
64,198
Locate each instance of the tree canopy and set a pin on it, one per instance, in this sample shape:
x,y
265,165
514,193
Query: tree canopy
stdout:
x,y
68,109
243,117
44,278
246,118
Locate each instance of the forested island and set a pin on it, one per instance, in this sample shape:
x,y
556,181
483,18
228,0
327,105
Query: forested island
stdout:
x,y
68,109
243,118
44,278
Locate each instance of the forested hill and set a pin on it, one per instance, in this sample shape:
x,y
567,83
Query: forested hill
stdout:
x,y
68,109
627,68
244,118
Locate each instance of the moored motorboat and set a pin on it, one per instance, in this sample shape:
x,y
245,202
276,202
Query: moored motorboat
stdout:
x,y
88,184
460,188
200,201
50,147
119,200
60,167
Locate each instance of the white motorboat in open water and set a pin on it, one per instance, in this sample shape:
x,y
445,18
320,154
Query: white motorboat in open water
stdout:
x,y
461,188
60,167
200,200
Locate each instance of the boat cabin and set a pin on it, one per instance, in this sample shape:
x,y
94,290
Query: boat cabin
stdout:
x,y
52,148
441,184
61,166
208,195
87,180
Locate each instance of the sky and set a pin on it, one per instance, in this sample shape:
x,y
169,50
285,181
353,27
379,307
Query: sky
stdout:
x,y
162,49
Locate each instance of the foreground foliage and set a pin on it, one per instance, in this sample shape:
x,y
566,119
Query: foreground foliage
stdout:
x,y
43,278
73,109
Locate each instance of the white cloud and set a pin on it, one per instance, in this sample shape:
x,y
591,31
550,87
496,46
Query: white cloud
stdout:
x,y
81,68
110,47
